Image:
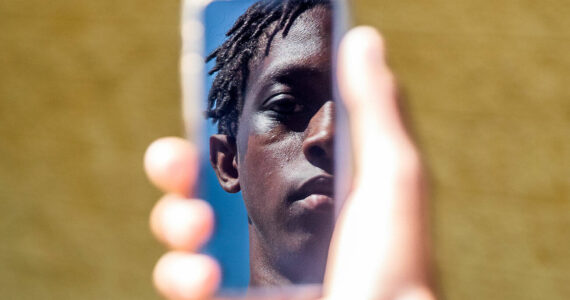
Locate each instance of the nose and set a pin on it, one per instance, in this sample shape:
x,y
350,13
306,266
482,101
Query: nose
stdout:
x,y
318,143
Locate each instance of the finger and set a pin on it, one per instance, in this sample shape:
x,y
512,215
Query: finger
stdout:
x,y
378,247
171,164
180,223
369,91
179,275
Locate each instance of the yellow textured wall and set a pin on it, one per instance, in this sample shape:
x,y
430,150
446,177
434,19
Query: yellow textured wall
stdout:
x,y
488,91
86,85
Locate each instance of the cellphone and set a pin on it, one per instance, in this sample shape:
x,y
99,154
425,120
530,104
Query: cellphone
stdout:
x,y
260,101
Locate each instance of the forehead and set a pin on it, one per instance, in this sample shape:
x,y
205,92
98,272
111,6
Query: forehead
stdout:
x,y
307,45
309,34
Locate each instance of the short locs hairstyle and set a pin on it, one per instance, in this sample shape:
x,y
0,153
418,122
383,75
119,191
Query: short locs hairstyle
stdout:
x,y
227,94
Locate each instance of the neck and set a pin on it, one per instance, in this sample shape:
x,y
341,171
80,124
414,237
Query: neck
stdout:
x,y
263,270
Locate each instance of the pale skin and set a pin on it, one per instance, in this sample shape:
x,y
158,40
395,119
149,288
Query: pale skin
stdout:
x,y
380,242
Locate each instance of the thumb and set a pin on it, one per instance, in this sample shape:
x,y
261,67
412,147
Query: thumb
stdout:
x,y
369,91
378,247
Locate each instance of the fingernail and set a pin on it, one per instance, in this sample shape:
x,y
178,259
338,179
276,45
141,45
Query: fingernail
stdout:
x,y
373,44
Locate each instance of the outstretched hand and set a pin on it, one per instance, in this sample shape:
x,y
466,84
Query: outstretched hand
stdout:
x,y
379,246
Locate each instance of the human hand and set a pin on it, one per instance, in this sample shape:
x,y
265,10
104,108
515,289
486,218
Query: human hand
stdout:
x,y
378,249
379,246
182,224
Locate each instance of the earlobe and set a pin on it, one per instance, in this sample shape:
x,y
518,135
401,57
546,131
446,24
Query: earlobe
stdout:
x,y
223,157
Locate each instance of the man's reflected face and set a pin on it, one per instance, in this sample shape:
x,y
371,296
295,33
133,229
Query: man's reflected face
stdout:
x,y
285,149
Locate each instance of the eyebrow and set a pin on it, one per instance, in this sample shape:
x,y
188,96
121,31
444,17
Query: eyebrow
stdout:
x,y
292,73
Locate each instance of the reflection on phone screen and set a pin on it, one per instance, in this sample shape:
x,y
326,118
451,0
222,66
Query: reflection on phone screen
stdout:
x,y
268,143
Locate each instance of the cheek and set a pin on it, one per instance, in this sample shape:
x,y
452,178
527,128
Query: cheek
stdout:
x,y
267,143
266,166
272,147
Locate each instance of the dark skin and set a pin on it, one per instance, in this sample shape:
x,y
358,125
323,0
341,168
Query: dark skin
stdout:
x,y
282,156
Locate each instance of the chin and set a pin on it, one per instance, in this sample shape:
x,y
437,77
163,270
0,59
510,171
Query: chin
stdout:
x,y
307,265
305,254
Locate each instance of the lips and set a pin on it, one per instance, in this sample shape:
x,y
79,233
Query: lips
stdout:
x,y
317,202
315,194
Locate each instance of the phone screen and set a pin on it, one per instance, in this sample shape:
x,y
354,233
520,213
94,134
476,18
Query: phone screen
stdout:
x,y
268,135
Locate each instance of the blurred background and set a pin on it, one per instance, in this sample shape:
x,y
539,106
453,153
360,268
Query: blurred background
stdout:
x,y
85,86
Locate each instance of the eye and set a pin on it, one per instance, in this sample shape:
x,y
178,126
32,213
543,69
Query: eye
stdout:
x,y
284,104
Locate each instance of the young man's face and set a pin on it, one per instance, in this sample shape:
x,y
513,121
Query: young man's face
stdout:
x,y
285,148
282,159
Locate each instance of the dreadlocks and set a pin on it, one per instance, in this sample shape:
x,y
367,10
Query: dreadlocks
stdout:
x,y
226,97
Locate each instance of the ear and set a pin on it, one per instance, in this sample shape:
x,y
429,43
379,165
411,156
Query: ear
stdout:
x,y
223,157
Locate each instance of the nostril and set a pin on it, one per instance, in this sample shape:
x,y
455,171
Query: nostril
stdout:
x,y
316,151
